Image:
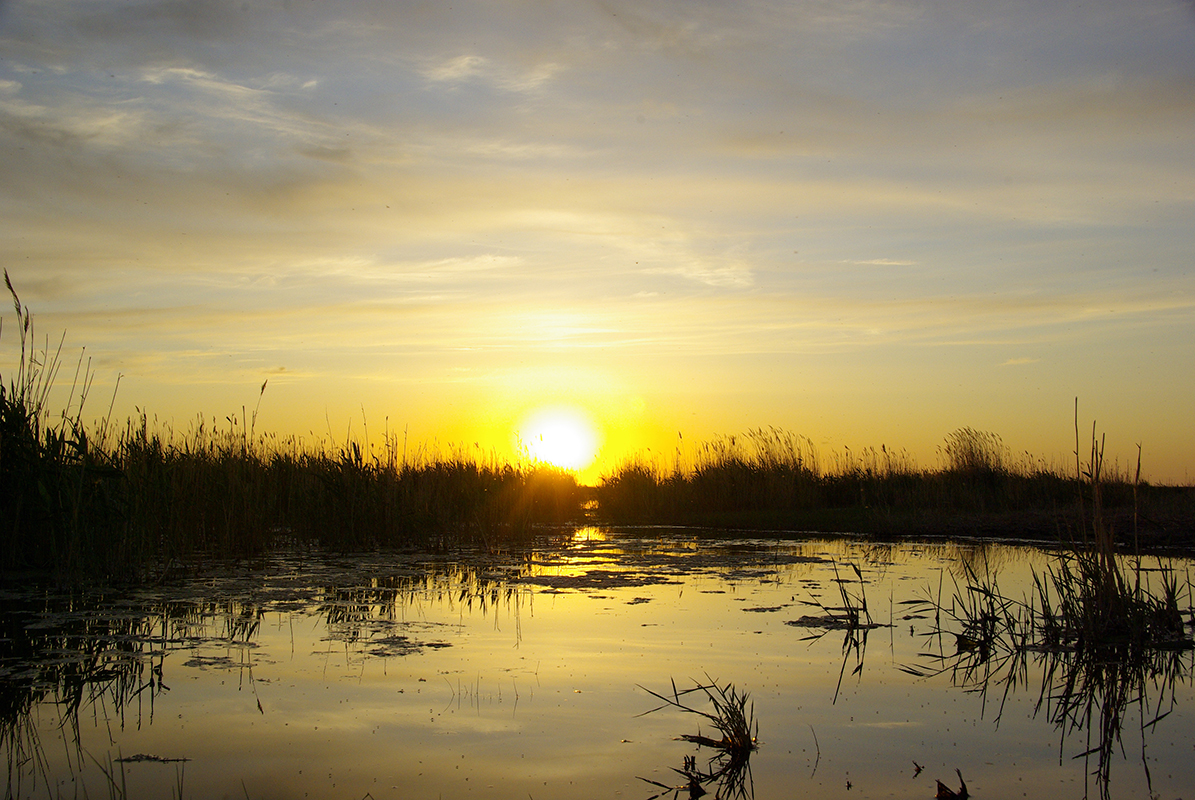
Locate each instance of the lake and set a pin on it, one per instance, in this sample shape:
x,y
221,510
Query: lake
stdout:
x,y
530,673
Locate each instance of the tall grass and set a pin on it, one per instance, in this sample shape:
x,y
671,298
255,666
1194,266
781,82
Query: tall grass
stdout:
x,y
772,479
1106,633
732,717
115,501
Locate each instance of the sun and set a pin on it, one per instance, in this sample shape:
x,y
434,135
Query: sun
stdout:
x,y
563,437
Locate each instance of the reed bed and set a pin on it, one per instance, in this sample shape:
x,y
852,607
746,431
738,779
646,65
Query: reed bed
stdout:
x,y
151,497
113,502
1105,632
769,479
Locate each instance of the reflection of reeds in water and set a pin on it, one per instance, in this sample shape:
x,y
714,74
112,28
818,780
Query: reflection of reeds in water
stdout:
x,y
1104,637
733,717
106,658
1087,684
852,618
367,615
74,662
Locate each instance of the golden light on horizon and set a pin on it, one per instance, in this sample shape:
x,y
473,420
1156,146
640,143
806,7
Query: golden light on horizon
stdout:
x,y
561,436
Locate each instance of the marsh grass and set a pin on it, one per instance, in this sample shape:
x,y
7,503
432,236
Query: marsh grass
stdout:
x,y
121,502
852,618
770,479
732,716
1105,633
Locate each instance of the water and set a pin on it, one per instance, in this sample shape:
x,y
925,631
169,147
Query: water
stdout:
x,y
526,674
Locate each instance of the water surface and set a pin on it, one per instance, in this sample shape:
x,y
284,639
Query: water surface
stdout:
x,y
525,674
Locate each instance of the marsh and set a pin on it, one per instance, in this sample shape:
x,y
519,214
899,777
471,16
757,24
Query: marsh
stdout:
x,y
528,672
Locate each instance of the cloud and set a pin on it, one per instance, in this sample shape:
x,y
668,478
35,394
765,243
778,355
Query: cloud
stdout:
x,y
477,69
716,273
637,176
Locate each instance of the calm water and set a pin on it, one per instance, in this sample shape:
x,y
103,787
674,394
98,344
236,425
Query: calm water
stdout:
x,y
522,675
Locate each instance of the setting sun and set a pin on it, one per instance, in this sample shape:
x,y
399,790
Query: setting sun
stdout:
x,y
564,437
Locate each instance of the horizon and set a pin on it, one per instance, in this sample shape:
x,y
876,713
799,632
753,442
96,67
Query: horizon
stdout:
x,y
614,228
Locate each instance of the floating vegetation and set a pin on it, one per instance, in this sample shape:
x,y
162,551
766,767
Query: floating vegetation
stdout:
x,y
345,653
111,657
728,770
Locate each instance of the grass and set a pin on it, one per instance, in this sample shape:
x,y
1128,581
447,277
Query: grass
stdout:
x,y
111,501
1105,632
118,502
732,716
852,618
774,480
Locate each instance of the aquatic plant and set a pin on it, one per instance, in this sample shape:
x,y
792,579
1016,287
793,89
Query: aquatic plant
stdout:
x,y
1104,635
733,716
852,618
946,793
60,507
129,503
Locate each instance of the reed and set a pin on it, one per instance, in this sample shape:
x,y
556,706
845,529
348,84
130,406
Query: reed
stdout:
x,y
732,715
852,618
118,503
1105,633
773,480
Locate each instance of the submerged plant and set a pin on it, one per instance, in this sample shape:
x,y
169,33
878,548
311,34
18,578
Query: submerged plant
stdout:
x,y
733,717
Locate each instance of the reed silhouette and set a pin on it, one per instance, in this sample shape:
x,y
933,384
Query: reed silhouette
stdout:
x,y
770,479
732,715
1105,633
129,502
124,502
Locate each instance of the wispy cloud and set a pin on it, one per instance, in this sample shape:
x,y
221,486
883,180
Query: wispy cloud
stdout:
x,y
475,68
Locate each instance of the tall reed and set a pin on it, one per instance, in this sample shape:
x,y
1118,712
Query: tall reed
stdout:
x,y
117,503
1104,636
773,479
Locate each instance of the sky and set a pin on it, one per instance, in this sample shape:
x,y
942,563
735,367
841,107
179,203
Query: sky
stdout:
x,y
866,222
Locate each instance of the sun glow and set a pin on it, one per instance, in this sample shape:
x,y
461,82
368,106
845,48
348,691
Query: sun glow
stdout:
x,y
563,437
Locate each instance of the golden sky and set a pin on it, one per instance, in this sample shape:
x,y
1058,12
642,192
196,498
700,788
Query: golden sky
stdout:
x,y
865,222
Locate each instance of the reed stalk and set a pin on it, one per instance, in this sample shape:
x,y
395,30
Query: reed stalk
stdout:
x,y
732,716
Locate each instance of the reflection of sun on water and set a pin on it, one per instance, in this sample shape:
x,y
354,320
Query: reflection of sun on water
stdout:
x,y
563,437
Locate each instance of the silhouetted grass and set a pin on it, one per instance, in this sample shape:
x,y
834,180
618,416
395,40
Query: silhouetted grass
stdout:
x,y
732,715
114,502
775,480
1103,634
